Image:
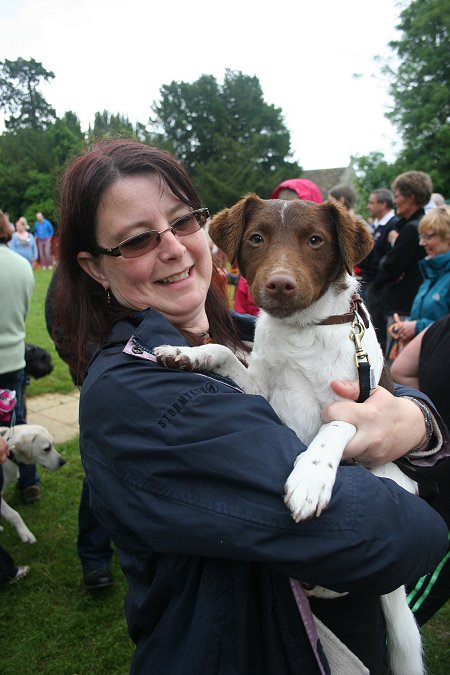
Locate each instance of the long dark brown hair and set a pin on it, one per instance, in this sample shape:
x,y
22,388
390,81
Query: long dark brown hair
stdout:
x,y
82,316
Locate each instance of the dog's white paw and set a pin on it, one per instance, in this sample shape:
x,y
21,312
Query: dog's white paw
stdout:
x,y
309,487
27,536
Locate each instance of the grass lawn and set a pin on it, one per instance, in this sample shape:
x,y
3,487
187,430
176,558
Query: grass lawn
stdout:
x,y
48,623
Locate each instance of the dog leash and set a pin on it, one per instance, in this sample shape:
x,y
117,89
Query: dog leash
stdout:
x,y
357,316
8,434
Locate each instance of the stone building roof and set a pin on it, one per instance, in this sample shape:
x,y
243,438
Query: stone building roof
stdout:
x,y
325,179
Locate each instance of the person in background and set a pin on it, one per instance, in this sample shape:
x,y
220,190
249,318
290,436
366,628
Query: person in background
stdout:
x,y
43,232
298,188
425,363
436,200
23,220
345,195
16,284
9,223
399,277
9,571
24,243
293,188
381,208
432,301
208,547
93,541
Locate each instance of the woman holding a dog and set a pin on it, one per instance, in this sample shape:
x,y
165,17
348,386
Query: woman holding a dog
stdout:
x,y
186,471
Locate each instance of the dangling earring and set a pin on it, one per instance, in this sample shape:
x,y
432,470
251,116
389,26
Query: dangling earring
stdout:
x,y
108,297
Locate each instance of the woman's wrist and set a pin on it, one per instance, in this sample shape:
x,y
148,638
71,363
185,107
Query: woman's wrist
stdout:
x,y
431,439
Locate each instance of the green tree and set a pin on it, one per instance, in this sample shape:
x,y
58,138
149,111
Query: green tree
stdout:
x,y
373,172
420,87
23,155
20,96
66,139
110,125
230,140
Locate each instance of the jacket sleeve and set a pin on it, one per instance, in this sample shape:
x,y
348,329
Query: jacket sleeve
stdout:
x,y
240,298
400,257
421,324
183,464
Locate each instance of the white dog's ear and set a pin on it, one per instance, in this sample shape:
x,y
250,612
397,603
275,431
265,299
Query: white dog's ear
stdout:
x,y
354,237
24,446
227,227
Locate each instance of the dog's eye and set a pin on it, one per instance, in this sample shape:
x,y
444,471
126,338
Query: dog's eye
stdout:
x,y
315,240
47,448
256,238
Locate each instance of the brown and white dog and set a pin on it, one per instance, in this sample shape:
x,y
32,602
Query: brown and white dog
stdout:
x,y
298,257
29,444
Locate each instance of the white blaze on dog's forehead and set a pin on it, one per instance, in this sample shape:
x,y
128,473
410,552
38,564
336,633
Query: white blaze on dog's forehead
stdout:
x,y
284,203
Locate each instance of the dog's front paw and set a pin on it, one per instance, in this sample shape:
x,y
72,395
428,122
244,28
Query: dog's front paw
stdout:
x,y
308,488
26,536
182,358
172,357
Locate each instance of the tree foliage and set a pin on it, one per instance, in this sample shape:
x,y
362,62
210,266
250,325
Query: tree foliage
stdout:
x,y
373,172
20,97
420,88
110,125
230,140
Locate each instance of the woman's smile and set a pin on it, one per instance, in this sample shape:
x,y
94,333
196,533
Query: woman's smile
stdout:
x,y
175,277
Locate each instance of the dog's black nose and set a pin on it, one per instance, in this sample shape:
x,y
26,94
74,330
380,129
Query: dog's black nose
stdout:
x,y
62,461
280,284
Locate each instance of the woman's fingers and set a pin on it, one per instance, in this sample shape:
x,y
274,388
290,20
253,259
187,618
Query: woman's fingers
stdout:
x,y
346,389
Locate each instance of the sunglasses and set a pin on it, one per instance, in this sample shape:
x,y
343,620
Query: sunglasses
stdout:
x,y
147,241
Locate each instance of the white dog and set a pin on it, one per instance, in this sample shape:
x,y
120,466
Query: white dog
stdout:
x,y
29,444
297,257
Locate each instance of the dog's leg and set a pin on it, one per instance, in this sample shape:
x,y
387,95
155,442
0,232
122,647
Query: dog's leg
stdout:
x,y
310,484
404,641
216,358
15,519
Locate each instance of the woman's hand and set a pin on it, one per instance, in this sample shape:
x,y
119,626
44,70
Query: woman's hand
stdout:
x,y
402,330
4,450
387,427
407,330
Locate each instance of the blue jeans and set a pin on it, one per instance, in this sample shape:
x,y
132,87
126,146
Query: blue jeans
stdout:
x,y
16,380
93,543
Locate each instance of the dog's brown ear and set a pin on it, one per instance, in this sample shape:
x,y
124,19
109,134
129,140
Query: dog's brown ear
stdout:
x,y
227,227
354,237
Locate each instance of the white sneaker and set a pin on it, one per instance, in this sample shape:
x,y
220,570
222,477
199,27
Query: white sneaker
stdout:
x,y
20,574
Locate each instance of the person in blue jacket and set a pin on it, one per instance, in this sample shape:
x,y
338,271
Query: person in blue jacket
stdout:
x,y
186,471
43,232
432,301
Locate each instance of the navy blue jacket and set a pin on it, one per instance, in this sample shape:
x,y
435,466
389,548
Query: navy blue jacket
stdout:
x,y
187,474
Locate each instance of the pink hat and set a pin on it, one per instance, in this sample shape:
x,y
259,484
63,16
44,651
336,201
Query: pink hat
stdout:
x,y
304,188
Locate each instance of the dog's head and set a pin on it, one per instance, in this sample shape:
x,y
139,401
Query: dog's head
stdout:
x,y
290,251
33,444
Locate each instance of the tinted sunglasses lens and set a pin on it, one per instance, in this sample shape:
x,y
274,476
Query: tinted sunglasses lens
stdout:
x,y
139,245
186,225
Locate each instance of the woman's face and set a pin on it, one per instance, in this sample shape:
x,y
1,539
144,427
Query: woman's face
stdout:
x,y
405,205
434,244
174,277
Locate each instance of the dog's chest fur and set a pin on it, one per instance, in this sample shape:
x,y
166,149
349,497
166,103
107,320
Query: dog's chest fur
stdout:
x,y
294,361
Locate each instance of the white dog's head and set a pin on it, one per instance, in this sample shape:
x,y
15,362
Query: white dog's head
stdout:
x,y
33,444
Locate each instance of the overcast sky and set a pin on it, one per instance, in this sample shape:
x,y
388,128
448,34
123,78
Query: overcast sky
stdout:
x,y
116,54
